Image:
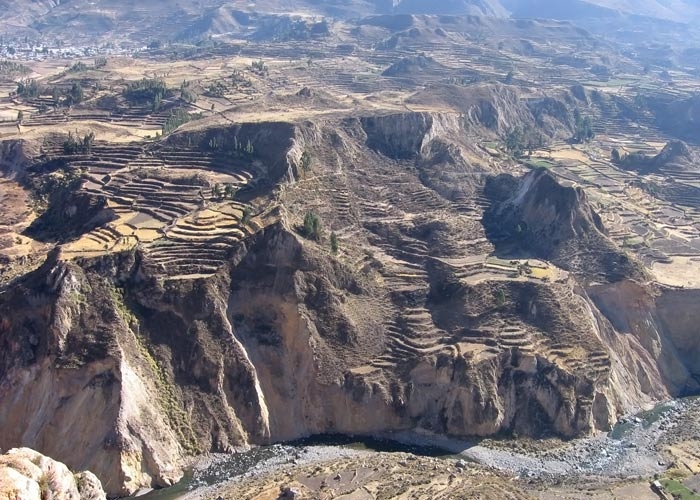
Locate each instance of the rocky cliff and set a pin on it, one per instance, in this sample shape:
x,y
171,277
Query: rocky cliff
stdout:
x,y
29,475
536,215
452,302
272,348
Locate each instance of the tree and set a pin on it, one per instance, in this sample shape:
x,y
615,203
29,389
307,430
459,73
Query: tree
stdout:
x,y
217,191
229,191
88,141
583,130
186,93
514,141
249,149
312,226
500,297
75,145
28,89
616,156
156,103
259,67
247,215
76,94
334,243
20,116
55,96
509,78
305,161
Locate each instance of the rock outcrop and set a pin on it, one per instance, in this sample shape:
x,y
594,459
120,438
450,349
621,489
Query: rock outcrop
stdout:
x,y
29,475
537,216
275,348
412,323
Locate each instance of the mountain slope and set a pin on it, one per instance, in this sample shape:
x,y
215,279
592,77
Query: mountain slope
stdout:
x,y
668,10
173,20
490,8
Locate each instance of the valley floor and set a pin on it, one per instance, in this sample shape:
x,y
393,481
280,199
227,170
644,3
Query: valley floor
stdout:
x,y
658,444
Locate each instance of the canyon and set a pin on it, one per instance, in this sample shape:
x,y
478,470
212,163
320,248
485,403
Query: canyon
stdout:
x,y
261,245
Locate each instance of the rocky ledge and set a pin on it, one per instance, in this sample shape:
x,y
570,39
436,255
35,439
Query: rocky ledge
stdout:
x,y
28,475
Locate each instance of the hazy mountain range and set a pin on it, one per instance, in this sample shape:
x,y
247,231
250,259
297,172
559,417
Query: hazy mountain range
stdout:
x,y
103,16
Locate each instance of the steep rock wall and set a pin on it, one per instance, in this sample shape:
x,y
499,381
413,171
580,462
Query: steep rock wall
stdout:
x,y
537,214
275,348
659,329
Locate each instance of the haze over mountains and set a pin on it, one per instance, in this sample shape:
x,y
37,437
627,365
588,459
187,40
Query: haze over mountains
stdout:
x,y
56,16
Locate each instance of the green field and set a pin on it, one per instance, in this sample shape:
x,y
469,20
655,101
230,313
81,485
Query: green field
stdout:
x,y
539,163
678,489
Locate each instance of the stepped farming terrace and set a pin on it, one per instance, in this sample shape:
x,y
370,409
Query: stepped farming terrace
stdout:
x,y
162,197
187,204
410,223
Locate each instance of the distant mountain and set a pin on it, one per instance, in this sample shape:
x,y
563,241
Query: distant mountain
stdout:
x,y
683,11
490,8
143,20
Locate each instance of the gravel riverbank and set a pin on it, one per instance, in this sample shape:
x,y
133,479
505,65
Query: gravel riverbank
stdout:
x,y
634,449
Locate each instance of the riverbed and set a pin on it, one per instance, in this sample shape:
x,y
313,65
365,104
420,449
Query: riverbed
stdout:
x,y
628,451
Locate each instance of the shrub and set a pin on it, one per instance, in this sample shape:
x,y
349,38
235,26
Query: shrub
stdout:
x,y
305,161
28,88
334,243
312,226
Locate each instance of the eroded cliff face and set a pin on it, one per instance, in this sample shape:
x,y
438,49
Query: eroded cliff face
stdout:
x,y
536,214
15,157
299,317
75,382
410,326
659,326
29,475
272,348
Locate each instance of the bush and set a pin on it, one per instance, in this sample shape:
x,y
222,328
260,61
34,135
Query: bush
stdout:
x,y
334,243
75,145
146,90
28,89
312,226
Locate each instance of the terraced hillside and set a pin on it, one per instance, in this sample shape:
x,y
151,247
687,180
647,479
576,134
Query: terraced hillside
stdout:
x,y
263,242
178,205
